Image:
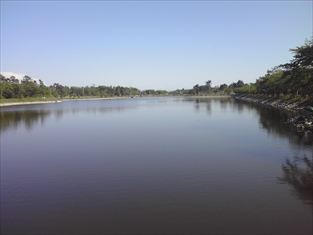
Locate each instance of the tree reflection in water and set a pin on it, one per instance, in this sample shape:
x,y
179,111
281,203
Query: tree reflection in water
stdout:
x,y
28,117
298,173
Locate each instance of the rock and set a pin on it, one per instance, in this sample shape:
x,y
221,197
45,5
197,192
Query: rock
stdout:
x,y
300,119
300,127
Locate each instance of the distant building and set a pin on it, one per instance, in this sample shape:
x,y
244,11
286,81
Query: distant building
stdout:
x,y
16,77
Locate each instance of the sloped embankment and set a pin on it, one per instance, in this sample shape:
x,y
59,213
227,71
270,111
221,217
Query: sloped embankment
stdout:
x,y
301,108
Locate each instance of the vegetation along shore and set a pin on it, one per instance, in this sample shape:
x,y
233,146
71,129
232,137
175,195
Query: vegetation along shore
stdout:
x,y
287,87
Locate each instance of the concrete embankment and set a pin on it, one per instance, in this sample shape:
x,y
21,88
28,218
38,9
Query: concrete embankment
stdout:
x,y
59,101
30,102
301,111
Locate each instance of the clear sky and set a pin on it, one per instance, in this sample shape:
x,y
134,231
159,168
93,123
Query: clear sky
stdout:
x,y
150,44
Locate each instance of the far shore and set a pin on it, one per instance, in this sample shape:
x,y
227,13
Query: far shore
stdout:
x,y
99,98
15,102
206,96
29,102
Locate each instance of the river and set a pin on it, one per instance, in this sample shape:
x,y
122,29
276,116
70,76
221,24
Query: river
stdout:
x,y
152,166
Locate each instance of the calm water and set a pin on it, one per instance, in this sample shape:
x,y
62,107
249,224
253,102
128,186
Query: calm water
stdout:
x,y
150,166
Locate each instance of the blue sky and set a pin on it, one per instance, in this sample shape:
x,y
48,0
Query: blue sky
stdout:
x,y
162,45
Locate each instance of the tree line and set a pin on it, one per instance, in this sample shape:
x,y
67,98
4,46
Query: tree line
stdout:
x,y
207,89
294,78
13,88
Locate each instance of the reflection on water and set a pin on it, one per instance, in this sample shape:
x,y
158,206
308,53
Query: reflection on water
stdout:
x,y
30,116
274,122
271,120
298,173
152,166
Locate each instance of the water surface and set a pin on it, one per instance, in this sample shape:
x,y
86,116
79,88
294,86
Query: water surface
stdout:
x,y
151,166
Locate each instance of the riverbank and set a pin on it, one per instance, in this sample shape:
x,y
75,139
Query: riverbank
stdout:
x,y
98,98
28,101
205,96
301,109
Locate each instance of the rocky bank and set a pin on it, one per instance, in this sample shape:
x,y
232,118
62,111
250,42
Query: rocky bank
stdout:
x,y
301,110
